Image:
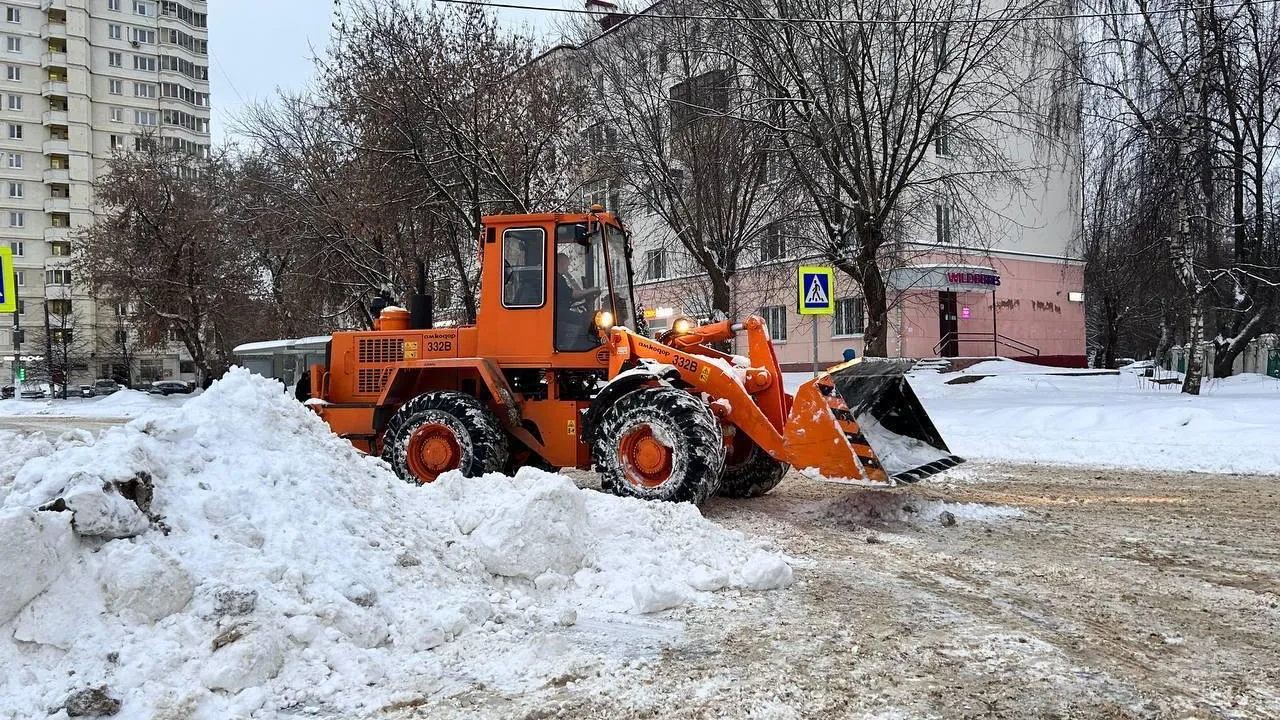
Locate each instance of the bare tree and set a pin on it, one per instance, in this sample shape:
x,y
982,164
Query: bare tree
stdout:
x,y
1193,91
163,239
674,130
65,343
449,106
901,115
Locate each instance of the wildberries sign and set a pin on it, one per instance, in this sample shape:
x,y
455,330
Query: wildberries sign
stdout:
x,y
972,278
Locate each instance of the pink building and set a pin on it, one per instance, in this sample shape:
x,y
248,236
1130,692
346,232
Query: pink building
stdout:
x,y
941,309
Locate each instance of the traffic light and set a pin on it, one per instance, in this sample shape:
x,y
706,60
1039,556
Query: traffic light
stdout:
x,y
19,336
22,374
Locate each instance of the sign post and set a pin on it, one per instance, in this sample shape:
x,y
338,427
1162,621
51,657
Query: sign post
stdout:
x,y
816,291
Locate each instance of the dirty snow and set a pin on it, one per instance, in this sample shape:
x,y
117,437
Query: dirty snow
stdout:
x,y
1027,413
282,571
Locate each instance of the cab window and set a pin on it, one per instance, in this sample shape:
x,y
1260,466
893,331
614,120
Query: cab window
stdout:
x,y
523,260
581,281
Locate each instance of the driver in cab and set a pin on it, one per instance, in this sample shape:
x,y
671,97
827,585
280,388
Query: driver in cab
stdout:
x,y
574,307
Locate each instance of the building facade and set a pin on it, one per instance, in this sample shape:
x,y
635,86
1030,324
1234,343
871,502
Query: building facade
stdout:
x,y
83,79
996,278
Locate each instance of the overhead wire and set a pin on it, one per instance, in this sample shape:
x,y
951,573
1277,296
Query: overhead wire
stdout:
x,y
853,21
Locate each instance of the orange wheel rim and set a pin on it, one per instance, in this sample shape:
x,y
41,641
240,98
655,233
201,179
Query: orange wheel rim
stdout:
x,y
646,461
433,449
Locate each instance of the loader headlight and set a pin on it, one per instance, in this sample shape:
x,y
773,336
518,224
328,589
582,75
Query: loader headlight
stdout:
x,y
682,326
604,320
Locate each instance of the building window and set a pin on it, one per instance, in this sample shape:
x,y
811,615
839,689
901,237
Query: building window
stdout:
x,y
115,87
13,15
775,320
15,160
113,4
942,143
525,276
143,8
144,90
14,72
115,59
59,307
849,319
15,132
144,62
655,263
117,114
14,44
15,102
18,247
143,35
113,32
144,117
60,276
773,243
61,248
17,219
20,277
117,142
15,190
943,223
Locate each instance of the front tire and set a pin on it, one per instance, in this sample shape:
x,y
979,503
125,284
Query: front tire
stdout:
x,y
437,432
749,471
659,443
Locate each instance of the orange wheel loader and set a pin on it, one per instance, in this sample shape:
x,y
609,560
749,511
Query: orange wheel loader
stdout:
x,y
554,374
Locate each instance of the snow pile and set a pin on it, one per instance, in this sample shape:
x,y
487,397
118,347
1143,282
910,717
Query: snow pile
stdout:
x,y
234,556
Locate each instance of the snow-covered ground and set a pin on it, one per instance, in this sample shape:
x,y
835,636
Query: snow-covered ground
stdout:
x,y
233,556
1020,412
121,404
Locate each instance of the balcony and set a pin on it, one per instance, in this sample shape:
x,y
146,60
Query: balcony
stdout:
x,y
53,59
47,5
62,205
53,30
54,117
57,175
56,147
57,292
54,88
57,234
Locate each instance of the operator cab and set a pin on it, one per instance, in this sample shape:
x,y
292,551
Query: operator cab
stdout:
x,y
565,281
593,285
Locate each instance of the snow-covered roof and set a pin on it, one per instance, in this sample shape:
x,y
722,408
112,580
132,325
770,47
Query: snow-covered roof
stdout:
x,y
277,347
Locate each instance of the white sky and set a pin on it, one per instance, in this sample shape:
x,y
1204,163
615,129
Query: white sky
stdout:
x,y
257,46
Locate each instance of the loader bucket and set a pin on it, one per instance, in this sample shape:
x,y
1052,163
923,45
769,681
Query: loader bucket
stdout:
x,y
887,436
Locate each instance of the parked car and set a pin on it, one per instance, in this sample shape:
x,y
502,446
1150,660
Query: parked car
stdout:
x,y
170,387
33,391
105,386
6,392
86,391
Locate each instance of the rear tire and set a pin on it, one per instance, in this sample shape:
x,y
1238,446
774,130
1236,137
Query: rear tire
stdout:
x,y
440,431
749,471
659,443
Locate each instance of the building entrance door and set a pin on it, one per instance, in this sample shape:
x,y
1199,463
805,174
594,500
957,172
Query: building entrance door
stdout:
x,y
948,324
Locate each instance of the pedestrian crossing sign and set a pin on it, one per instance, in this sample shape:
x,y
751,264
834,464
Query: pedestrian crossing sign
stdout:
x,y
816,288
8,282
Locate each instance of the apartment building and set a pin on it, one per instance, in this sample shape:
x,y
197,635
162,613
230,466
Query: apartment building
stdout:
x,y
82,79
